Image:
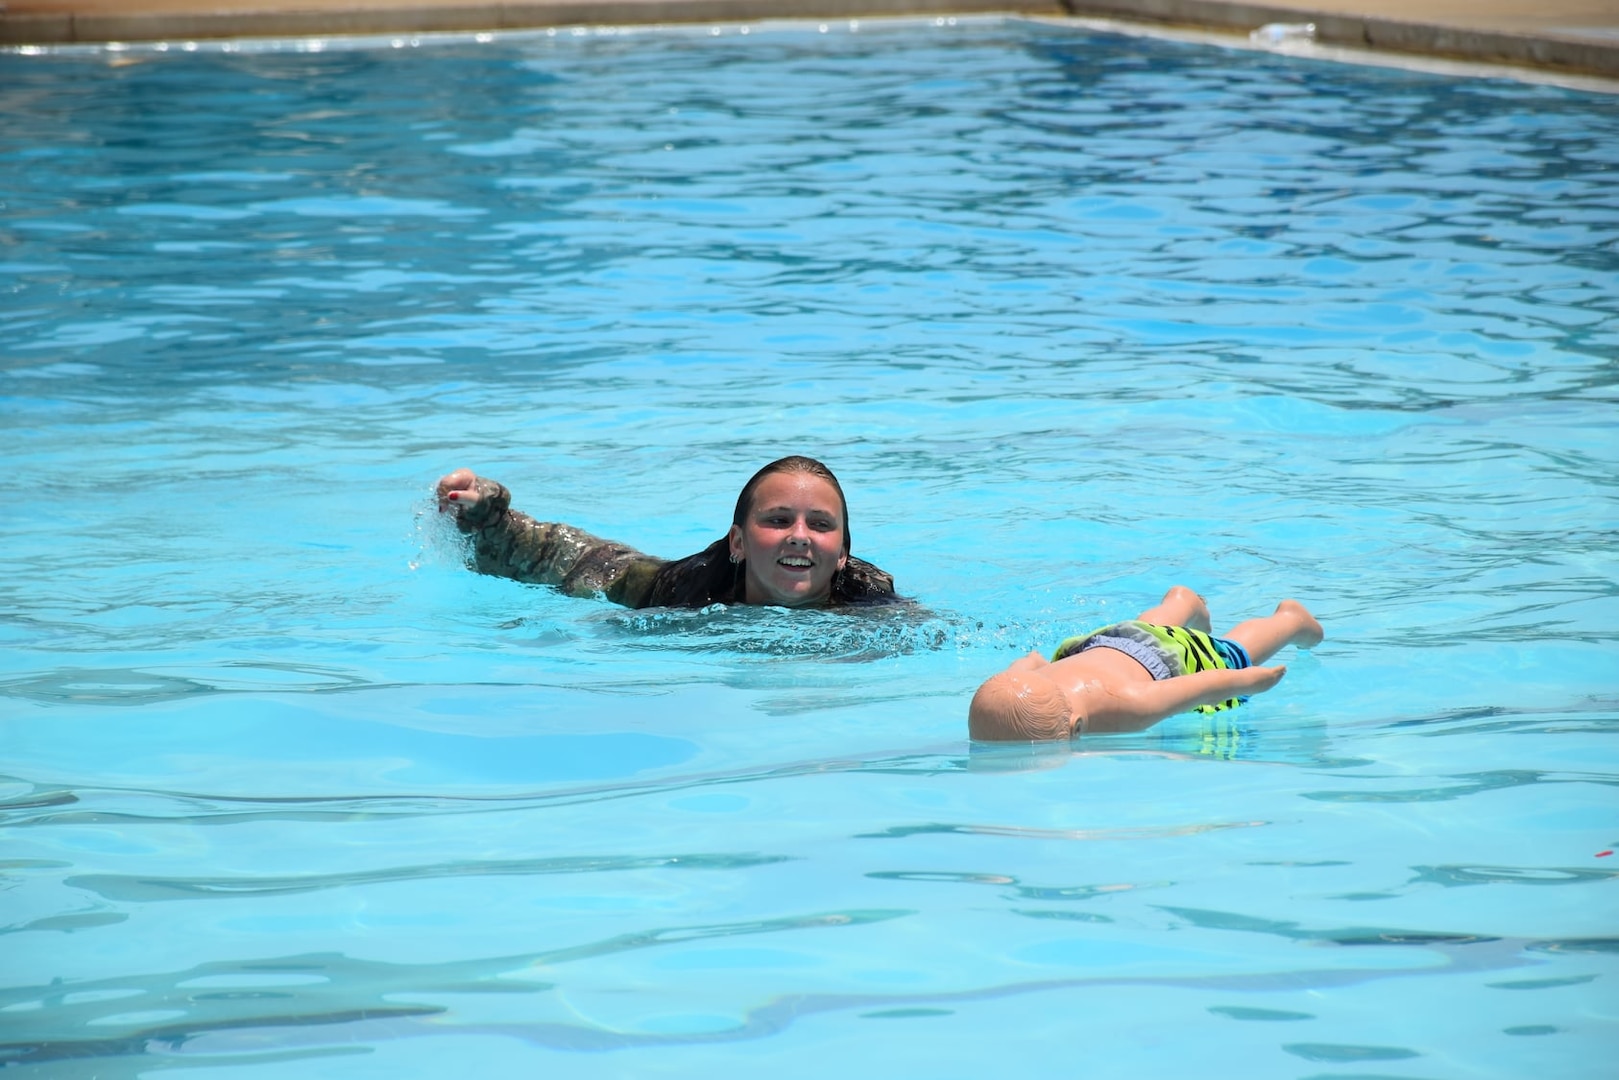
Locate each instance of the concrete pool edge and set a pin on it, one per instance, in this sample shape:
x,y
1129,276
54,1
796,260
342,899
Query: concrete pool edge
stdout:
x,y
45,22
1492,31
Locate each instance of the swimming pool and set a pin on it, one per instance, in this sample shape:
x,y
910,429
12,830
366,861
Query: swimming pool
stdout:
x,y
1075,316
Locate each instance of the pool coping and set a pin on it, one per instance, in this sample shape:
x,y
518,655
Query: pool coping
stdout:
x,y
1495,31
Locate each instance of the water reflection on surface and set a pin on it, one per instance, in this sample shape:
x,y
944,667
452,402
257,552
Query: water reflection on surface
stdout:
x,y
1074,316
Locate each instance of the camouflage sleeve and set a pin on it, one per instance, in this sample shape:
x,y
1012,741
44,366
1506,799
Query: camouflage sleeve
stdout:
x,y
509,543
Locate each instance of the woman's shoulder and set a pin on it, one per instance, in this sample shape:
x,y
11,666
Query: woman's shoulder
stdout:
x,y
863,583
696,580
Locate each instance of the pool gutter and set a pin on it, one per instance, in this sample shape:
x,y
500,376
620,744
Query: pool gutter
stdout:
x,y
1575,36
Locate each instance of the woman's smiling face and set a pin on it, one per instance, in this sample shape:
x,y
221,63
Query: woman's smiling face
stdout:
x,y
792,539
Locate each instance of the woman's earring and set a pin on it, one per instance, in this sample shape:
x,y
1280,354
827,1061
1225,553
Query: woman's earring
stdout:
x,y
735,558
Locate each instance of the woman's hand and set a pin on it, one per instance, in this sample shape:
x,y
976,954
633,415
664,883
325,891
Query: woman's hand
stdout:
x,y
458,491
478,502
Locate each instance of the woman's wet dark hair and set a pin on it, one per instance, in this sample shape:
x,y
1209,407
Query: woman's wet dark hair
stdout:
x,y
710,577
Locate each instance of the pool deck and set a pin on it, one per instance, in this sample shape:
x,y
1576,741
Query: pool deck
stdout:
x,y
1573,36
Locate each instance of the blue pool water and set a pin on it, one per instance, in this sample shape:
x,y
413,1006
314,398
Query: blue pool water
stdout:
x,y
1075,316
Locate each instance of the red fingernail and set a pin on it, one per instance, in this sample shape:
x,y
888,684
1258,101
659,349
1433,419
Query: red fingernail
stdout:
x,y
454,495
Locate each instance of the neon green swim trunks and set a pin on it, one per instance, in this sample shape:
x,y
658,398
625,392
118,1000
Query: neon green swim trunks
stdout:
x,y
1165,651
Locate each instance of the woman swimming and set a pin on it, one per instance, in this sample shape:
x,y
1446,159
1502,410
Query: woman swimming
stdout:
x,y
788,545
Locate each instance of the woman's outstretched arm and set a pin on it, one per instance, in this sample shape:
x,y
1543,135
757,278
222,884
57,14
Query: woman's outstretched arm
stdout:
x,y
508,543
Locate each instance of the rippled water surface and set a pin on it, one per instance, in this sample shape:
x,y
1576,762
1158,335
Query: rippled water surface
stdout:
x,y
1075,317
